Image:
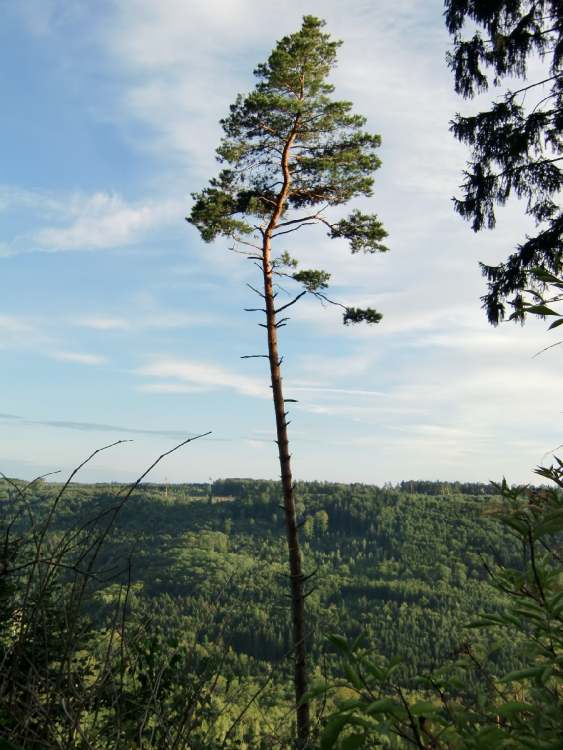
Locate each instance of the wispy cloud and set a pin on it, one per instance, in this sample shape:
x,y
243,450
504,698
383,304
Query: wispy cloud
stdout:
x,y
200,376
179,65
79,221
79,358
99,323
106,220
100,427
157,319
19,333
320,390
41,202
15,325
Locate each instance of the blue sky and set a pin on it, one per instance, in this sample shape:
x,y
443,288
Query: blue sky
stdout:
x,y
116,321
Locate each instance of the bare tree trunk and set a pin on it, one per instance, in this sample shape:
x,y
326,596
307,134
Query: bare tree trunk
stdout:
x,y
292,528
296,574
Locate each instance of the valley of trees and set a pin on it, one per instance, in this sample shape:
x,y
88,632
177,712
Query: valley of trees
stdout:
x,y
191,577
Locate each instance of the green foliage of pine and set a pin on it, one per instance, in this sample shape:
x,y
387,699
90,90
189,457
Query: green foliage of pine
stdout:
x,y
331,158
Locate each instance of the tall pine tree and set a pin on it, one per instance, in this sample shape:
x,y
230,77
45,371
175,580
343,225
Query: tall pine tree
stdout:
x,y
516,145
290,153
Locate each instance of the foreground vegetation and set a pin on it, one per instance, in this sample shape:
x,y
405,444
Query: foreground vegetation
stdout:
x,y
158,618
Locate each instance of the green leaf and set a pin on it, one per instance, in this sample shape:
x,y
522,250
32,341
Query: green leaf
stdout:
x,y
528,613
514,707
541,310
546,674
395,662
363,231
489,738
317,690
556,324
313,280
350,704
357,315
548,278
352,742
339,642
377,672
352,675
556,603
285,260
332,730
522,674
5,745
382,706
514,523
423,708
474,624
552,523
487,621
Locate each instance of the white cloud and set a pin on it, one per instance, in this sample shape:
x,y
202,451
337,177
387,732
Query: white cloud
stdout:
x,y
20,332
181,66
104,323
11,324
173,388
25,334
157,319
201,376
328,368
161,319
106,220
79,358
321,390
17,197
78,221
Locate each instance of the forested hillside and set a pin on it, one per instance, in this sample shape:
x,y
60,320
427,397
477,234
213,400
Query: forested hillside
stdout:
x,y
398,566
191,578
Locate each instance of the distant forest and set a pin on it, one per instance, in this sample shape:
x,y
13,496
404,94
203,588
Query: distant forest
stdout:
x,y
203,568
396,565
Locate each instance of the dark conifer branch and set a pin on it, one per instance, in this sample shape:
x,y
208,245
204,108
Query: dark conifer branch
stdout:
x,y
310,575
289,304
515,148
258,292
301,219
513,94
295,229
240,241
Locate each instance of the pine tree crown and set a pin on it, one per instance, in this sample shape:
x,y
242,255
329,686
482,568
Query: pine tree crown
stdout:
x,y
331,158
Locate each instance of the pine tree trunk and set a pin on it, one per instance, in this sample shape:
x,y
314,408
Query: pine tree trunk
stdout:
x,y
292,529
295,568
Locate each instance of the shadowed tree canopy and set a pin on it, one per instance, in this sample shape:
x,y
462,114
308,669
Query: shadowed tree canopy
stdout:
x,y
329,159
516,146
